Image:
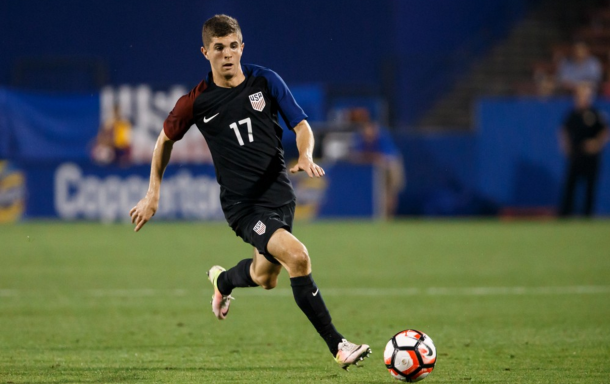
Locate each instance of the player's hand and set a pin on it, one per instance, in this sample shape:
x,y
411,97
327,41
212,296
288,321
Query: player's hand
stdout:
x,y
143,211
307,165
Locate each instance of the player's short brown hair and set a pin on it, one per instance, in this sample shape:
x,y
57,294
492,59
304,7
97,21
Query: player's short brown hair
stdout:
x,y
220,26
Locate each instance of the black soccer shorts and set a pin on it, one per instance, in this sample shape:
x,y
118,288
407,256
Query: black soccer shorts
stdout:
x,y
256,224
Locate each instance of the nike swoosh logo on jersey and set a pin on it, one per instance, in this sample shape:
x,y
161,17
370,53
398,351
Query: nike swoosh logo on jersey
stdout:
x,y
316,292
206,120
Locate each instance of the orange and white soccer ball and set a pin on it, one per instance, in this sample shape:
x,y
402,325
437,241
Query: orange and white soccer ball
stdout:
x,y
410,355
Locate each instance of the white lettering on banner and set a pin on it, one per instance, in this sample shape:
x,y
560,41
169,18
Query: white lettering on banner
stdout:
x,y
109,199
147,110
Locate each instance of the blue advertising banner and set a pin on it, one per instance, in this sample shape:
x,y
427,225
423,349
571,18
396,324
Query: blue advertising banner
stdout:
x,y
70,190
12,192
84,190
39,126
347,190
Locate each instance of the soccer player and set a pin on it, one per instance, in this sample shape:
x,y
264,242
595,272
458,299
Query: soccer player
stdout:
x,y
236,109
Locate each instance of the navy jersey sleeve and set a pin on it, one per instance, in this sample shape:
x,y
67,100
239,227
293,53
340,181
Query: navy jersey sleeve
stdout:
x,y
291,112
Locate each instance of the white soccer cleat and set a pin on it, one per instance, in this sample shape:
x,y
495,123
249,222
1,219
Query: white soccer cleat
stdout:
x,y
220,303
351,354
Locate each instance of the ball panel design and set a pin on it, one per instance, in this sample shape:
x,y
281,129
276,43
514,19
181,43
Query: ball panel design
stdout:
x,y
404,362
414,334
405,340
410,356
396,375
416,363
421,374
388,351
427,351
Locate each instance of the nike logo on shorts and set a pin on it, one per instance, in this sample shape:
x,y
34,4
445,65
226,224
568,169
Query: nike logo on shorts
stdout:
x,y
206,120
316,292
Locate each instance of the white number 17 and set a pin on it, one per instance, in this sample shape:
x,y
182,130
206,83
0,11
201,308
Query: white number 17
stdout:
x,y
238,134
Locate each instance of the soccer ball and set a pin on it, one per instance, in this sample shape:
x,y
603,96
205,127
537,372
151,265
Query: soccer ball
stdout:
x,y
410,355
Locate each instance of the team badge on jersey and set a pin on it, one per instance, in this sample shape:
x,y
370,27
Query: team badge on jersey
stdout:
x,y
260,228
258,101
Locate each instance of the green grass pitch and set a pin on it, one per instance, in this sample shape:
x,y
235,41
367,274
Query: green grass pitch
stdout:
x,y
505,302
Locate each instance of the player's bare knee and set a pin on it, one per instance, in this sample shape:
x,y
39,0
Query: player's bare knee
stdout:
x,y
299,260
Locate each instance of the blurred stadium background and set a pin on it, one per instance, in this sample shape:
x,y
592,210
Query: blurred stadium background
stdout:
x,y
461,87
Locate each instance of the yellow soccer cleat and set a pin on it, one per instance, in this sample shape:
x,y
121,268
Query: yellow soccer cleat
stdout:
x,y
220,303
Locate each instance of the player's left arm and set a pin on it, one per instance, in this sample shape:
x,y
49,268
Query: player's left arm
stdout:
x,y
295,119
305,144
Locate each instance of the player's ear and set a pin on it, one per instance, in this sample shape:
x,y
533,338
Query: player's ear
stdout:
x,y
204,52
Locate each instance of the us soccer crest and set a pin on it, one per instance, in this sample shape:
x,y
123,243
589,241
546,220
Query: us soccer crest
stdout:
x,y
258,101
260,228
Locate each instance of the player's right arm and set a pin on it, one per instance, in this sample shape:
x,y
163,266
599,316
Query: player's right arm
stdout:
x,y
175,126
146,208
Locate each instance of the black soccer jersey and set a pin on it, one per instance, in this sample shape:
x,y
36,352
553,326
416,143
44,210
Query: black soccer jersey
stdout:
x,y
241,128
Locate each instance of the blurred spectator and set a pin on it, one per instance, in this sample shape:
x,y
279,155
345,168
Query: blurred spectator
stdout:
x,y
545,84
605,86
581,67
113,141
582,139
373,144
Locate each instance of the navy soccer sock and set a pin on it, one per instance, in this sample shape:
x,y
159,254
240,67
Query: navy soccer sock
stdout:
x,y
309,299
238,276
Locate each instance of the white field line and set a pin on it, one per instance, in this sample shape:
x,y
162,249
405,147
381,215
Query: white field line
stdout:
x,y
136,292
8,292
446,291
343,292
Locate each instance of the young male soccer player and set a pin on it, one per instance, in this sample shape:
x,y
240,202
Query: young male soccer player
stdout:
x,y
236,109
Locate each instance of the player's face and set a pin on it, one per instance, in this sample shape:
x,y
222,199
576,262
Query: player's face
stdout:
x,y
224,54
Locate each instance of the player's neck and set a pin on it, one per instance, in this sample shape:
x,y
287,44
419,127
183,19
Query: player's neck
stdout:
x,y
228,82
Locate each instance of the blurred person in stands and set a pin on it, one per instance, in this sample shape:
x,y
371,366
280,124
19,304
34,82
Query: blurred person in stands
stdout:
x,y
236,108
113,142
581,67
374,144
605,86
582,138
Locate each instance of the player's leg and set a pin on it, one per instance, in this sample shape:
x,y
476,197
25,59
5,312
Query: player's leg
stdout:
x,y
257,271
236,277
293,255
290,252
263,272
224,281
250,223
